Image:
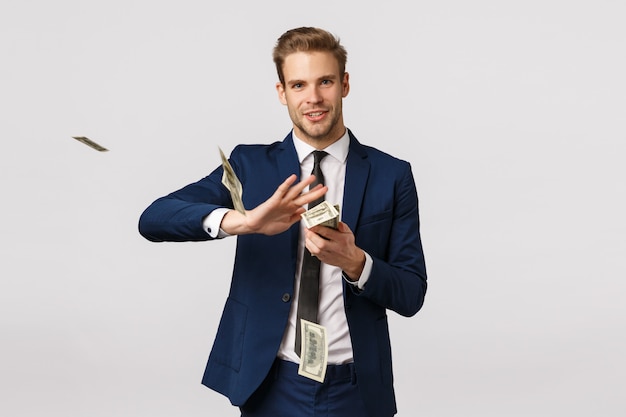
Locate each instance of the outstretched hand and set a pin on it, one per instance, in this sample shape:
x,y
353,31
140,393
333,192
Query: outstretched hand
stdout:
x,y
277,213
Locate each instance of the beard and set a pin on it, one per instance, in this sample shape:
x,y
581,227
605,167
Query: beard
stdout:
x,y
329,129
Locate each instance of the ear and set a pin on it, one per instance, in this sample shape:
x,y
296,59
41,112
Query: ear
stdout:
x,y
280,89
346,84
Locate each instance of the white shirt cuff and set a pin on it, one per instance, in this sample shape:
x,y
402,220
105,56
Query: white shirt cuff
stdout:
x,y
365,275
212,222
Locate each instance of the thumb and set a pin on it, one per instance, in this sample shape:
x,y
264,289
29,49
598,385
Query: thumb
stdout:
x,y
342,227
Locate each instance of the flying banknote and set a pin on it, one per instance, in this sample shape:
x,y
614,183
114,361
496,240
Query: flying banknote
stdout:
x,y
90,143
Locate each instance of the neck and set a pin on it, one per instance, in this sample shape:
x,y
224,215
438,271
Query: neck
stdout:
x,y
321,142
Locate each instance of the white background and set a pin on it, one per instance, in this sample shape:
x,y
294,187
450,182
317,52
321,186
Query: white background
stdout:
x,y
510,112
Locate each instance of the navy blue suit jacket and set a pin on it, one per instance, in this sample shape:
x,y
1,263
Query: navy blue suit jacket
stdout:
x,y
380,206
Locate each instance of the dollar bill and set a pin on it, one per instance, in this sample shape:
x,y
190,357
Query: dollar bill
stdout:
x,y
334,222
324,214
90,143
314,357
230,181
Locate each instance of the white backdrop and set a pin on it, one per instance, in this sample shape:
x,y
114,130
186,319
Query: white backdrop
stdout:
x,y
511,114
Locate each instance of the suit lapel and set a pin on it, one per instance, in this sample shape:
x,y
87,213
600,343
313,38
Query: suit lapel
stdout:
x,y
287,164
287,159
357,173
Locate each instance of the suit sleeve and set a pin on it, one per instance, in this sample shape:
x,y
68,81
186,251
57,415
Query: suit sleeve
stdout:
x,y
398,277
178,217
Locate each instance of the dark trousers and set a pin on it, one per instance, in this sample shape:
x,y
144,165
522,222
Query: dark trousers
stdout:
x,y
284,393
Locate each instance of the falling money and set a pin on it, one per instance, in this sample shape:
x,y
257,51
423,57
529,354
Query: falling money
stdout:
x,y
230,181
314,356
90,143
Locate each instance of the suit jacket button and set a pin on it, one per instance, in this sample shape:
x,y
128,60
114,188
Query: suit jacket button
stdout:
x,y
286,297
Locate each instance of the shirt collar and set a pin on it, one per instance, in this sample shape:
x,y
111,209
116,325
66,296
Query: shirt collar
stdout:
x,y
338,149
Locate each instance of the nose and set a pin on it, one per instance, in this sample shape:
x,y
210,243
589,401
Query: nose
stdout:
x,y
315,95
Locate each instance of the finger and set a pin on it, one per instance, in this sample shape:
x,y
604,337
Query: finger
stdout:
x,y
322,231
297,215
312,195
311,246
314,189
285,186
297,189
319,236
343,228
332,236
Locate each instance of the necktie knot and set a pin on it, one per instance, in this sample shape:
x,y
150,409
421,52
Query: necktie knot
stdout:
x,y
318,156
317,170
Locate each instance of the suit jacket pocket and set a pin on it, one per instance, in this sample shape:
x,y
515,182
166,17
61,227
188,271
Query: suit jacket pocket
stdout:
x,y
228,346
372,233
374,218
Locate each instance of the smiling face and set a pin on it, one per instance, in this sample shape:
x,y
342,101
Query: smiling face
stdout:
x,y
313,93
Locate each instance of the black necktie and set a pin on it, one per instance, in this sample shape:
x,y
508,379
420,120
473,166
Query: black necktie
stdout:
x,y
308,296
